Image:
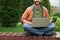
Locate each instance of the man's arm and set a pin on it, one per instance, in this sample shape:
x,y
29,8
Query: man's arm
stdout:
x,y
54,19
24,17
46,12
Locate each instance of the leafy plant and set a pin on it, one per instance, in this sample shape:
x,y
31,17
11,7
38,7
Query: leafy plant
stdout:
x,y
58,24
57,14
9,12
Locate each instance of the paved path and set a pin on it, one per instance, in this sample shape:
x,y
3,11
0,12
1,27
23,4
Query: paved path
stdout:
x,y
58,34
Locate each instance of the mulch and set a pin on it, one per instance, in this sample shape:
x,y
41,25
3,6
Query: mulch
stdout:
x,y
21,36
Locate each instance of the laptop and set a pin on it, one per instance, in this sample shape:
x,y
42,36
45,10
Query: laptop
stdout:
x,y
40,22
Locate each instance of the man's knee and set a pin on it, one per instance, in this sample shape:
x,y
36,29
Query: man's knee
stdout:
x,y
52,26
27,25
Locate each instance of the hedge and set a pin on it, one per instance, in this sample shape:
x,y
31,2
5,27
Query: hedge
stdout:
x,y
46,3
9,12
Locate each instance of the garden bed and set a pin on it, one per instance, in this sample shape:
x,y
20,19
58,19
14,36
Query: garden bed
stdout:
x,y
20,36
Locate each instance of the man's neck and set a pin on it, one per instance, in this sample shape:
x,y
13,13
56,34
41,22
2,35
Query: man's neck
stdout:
x,y
37,6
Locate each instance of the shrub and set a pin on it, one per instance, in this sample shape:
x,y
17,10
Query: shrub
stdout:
x,y
24,4
9,12
58,25
57,14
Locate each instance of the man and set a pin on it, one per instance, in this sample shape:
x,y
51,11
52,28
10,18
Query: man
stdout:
x,y
41,11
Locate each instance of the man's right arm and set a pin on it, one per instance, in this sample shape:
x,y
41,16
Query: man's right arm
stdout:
x,y
24,17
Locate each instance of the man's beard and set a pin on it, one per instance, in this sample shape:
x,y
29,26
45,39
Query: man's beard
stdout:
x,y
36,3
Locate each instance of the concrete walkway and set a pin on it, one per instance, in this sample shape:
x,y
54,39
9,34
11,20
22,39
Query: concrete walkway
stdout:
x,y
58,34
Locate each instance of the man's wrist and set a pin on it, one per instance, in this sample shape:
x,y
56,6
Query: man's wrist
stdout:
x,y
29,23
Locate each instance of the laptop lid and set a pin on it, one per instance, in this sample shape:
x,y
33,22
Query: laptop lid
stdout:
x,y
40,22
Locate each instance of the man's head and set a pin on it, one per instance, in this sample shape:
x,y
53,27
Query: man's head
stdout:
x,y
37,2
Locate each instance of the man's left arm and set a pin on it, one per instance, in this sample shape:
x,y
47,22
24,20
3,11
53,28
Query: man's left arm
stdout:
x,y
46,12
47,15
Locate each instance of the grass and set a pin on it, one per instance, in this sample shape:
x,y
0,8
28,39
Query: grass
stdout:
x,y
18,28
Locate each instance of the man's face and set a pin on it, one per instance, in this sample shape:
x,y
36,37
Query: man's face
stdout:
x,y
37,2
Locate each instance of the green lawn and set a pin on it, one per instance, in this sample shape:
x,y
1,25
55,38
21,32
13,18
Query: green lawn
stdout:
x,y
18,28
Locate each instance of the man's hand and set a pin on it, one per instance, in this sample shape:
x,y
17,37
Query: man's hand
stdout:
x,y
54,20
29,23
50,21
25,21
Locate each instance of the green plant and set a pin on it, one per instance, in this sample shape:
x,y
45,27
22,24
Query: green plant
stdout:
x,y
58,24
57,14
9,12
